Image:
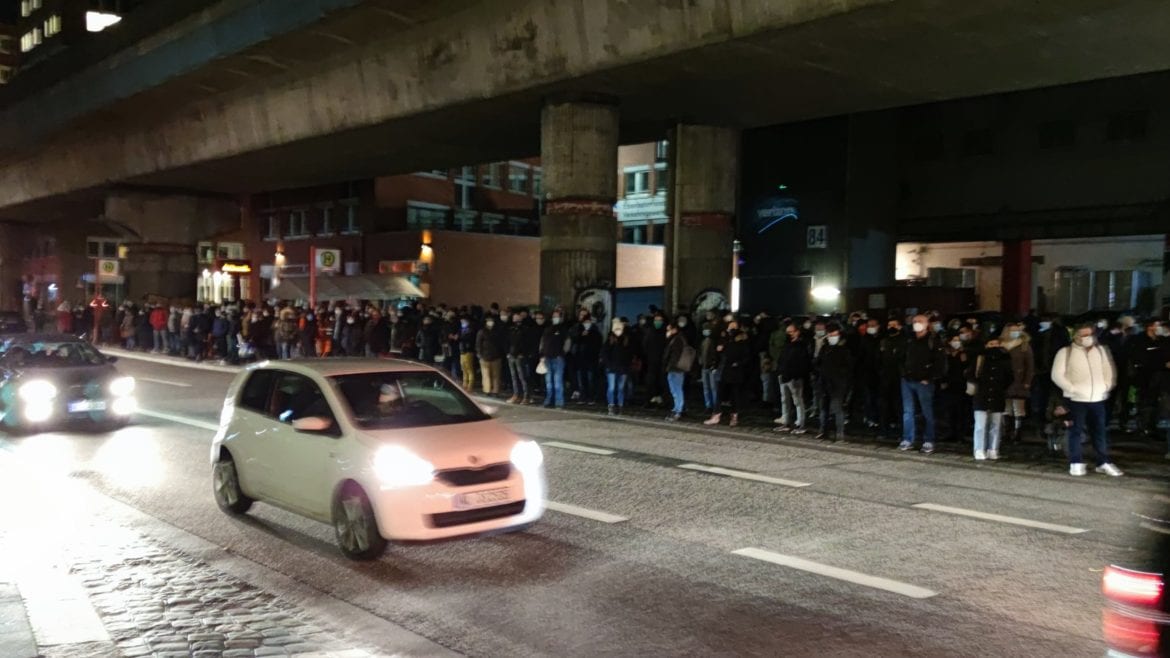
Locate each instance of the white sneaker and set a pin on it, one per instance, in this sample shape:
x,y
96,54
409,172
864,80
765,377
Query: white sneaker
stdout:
x,y
1076,469
993,455
1110,470
980,455
780,421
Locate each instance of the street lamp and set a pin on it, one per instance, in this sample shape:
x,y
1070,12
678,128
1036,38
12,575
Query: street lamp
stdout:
x,y
736,249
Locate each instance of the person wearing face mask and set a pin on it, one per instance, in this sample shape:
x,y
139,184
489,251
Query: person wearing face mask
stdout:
x,y
1085,372
819,333
653,344
868,371
489,346
518,333
1051,336
923,364
677,360
465,342
617,356
793,366
991,378
1017,342
1147,359
552,353
893,349
735,352
586,352
709,367
834,368
954,404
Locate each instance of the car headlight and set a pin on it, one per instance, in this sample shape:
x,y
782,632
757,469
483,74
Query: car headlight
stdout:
x,y
122,386
37,390
397,467
526,455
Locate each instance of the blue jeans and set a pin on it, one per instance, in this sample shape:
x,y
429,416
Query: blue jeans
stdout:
x,y
554,381
987,429
710,379
615,390
585,382
1088,416
675,381
925,396
767,390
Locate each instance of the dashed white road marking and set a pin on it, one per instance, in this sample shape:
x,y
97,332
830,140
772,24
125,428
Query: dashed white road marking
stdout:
x,y
163,381
743,475
182,420
565,508
579,448
1014,520
856,577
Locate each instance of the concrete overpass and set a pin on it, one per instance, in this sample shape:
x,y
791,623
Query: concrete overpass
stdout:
x,y
229,103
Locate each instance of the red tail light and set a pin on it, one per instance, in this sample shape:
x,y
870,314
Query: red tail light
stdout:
x,y
1133,587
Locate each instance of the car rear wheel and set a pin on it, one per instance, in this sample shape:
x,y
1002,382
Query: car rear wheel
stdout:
x,y
355,526
225,481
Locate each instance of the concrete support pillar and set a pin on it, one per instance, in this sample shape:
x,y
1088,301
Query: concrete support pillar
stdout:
x,y
704,169
1017,277
578,241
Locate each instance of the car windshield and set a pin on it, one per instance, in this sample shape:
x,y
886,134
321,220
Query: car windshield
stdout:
x,y
51,354
389,400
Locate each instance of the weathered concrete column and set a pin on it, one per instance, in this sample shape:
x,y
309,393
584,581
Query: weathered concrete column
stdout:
x,y
161,257
1017,277
704,165
578,233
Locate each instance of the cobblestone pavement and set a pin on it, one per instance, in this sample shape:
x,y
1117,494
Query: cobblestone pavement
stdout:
x,y
155,601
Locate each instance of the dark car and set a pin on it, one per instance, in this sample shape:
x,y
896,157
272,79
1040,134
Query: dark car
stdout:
x,y
12,322
50,380
1136,619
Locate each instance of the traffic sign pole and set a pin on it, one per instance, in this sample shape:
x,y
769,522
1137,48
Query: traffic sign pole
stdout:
x,y
312,278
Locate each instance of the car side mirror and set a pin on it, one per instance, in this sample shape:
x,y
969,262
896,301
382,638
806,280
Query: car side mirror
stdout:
x,y
312,424
111,359
488,409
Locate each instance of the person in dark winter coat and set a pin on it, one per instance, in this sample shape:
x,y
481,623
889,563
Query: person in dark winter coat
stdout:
x,y
428,340
489,345
309,335
709,366
674,369
793,367
653,344
552,352
834,368
586,351
992,376
735,358
617,358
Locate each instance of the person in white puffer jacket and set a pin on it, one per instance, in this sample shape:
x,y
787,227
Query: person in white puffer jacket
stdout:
x,y
1085,372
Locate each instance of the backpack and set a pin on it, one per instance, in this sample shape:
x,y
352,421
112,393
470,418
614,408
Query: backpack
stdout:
x,y
686,359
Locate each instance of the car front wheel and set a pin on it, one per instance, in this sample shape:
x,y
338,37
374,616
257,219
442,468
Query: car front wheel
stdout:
x,y
225,482
355,526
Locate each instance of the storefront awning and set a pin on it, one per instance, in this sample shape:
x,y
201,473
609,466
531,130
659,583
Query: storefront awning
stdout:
x,y
335,288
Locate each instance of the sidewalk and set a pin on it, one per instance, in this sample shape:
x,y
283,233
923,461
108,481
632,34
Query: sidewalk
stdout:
x,y
1138,457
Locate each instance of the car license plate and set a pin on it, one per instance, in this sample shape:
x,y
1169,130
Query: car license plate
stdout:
x,y
482,498
86,405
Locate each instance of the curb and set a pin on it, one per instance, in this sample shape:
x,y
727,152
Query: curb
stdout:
x,y
173,361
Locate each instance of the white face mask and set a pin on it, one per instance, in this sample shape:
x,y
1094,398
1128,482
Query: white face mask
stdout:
x,y
956,344
489,324
872,331
937,326
919,327
820,333
556,320
1045,326
833,340
682,322
617,331
1014,334
1102,324
587,325
1085,341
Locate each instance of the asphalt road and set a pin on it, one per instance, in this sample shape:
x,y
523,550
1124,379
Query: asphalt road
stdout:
x,y
831,552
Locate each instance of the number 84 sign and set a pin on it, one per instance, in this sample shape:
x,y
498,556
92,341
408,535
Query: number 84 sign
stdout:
x,y
817,237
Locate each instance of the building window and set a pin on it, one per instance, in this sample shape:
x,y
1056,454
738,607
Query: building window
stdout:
x,y
5,44
637,182
465,220
326,221
1056,135
229,251
491,175
298,224
273,228
425,215
980,141
661,150
432,173
351,226
5,74
52,25
1127,126
101,247
518,177
30,40
491,221
25,8
206,252
464,186
661,178
537,182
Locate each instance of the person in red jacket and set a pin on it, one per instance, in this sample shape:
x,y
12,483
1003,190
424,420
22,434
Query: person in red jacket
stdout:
x,y
158,323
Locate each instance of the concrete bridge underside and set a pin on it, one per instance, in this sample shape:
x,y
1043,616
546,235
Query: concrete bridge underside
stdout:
x,y
460,81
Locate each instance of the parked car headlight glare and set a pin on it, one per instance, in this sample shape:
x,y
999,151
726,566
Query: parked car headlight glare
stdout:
x,y
526,455
37,390
398,467
122,386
